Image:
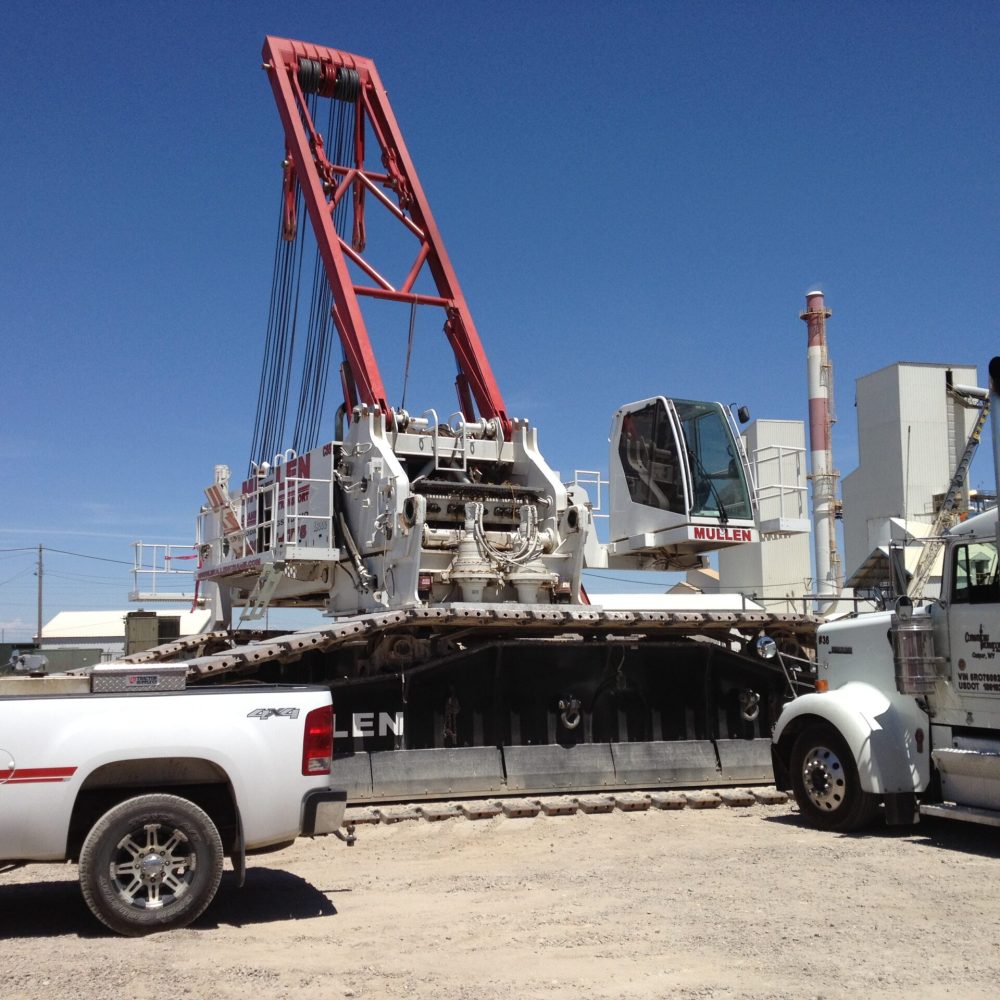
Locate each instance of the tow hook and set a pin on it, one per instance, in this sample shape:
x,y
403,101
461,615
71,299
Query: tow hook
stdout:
x,y
570,712
749,704
349,837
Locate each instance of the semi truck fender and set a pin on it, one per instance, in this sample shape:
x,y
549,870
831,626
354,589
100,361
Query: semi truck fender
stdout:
x,y
886,736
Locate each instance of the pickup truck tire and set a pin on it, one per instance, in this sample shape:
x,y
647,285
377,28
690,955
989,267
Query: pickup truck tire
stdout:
x,y
151,863
826,784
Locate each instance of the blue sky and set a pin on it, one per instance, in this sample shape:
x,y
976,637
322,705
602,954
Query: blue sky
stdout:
x,y
636,197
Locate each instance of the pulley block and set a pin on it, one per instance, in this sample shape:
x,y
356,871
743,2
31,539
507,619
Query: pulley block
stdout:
x,y
339,82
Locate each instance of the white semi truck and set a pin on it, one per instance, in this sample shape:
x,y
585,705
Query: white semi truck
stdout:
x,y
905,718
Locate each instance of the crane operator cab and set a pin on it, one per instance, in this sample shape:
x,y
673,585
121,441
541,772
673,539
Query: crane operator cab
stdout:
x,y
680,483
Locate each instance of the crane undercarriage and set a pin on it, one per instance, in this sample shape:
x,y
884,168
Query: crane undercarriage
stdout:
x,y
511,699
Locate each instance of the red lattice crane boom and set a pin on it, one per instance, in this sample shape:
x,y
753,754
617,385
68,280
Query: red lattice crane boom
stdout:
x,y
295,70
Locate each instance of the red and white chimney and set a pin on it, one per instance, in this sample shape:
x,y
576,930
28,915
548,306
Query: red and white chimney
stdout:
x,y
824,477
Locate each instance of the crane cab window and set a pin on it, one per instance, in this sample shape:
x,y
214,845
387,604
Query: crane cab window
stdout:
x,y
718,482
650,459
974,574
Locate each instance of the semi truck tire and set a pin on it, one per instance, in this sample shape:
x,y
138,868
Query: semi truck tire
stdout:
x,y
151,863
826,784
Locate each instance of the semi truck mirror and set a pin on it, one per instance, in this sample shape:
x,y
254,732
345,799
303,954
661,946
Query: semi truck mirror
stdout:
x,y
766,647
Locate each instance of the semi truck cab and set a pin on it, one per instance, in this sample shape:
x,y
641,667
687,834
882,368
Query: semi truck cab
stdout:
x,y
905,720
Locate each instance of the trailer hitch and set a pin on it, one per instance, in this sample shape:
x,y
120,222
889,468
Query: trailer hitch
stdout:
x,y
349,837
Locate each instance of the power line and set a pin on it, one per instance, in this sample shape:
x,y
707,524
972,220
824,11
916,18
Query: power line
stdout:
x,y
83,555
27,569
65,552
89,576
72,582
622,579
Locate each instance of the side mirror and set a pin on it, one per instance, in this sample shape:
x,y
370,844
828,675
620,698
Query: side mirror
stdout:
x,y
743,413
766,648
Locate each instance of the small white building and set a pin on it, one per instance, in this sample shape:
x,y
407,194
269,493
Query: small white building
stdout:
x,y
107,630
777,571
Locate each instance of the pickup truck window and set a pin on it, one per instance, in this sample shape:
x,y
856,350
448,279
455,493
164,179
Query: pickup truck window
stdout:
x,y
974,574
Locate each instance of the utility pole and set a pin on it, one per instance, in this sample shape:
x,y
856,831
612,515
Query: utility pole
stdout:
x,y
38,635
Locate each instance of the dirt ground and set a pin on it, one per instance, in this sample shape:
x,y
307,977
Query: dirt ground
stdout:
x,y
726,903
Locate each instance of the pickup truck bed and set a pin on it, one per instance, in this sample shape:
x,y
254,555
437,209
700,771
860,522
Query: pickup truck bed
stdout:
x,y
149,789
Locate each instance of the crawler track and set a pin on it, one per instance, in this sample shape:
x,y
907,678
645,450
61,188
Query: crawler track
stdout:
x,y
487,620
515,700
477,809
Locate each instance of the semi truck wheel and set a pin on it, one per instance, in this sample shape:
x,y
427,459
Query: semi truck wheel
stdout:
x,y
151,863
826,784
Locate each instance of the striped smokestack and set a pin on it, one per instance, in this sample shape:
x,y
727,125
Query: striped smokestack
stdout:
x,y
824,476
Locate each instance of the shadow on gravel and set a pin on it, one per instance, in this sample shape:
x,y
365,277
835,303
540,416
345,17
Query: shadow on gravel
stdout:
x,y
786,819
46,909
268,894
947,835
951,835
51,909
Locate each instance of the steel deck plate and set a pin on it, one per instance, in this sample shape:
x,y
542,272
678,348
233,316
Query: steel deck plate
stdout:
x,y
652,765
552,767
414,774
745,760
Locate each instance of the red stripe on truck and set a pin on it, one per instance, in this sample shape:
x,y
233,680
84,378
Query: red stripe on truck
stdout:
x,y
33,775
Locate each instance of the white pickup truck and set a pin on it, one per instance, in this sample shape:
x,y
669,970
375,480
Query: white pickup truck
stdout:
x,y
148,785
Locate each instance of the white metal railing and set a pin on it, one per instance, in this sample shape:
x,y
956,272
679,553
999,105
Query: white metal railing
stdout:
x,y
587,478
271,517
791,497
157,566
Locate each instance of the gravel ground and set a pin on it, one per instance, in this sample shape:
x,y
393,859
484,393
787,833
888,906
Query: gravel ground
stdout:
x,y
728,902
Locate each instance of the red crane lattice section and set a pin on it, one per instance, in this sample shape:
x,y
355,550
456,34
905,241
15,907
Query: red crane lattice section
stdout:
x,y
296,69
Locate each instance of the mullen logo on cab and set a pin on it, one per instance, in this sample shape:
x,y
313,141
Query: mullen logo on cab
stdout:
x,y
723,534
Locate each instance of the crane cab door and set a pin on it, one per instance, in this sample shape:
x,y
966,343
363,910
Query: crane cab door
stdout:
x,y
679,480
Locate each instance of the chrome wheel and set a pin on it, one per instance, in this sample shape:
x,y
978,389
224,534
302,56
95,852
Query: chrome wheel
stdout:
x,y
823,778
154,866
826,783
151,863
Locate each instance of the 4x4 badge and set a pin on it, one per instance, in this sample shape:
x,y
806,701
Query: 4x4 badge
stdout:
x,y
267,713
